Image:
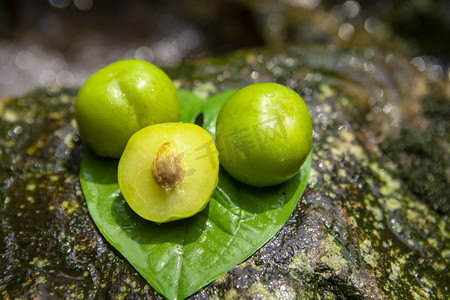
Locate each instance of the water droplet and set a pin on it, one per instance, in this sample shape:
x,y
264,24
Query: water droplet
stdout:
x,y
346,31
434,73
25,60
65,78
83,4
307,4
369,53
18,129
59,3
144,53
419,63
371,24
47,77
269,94
317,77
351,8
370,68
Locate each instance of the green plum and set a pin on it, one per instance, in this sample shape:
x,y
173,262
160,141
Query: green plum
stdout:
x,y
121,98
169,171
263,134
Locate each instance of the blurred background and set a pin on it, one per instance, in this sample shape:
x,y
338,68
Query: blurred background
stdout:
x,y
61,42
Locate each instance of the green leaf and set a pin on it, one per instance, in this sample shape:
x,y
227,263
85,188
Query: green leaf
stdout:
x,y
190,105
211,109
180,257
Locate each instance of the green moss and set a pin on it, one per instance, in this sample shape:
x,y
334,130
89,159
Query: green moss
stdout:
x,y
423,162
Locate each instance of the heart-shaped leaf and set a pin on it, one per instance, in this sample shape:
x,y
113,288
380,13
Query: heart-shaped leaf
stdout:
x,y
180,257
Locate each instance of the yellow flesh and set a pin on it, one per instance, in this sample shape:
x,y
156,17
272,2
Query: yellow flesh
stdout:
x,y
199,159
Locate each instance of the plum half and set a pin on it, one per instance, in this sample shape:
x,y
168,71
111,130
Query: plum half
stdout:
x,y
168,171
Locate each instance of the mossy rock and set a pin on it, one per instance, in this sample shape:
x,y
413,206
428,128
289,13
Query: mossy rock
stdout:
x,y
373,222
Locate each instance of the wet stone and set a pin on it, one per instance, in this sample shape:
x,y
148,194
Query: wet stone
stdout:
x,y
373,222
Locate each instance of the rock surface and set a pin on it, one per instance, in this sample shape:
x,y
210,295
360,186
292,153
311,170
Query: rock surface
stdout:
x,y
373,222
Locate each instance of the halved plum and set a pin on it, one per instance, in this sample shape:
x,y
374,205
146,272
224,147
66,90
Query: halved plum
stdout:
x,y
169,171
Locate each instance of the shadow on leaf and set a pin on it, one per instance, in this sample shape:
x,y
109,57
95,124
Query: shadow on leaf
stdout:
x,y
251,199
181,232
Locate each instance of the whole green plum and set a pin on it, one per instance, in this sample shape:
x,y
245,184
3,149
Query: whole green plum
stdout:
x,y
263,134
121,98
